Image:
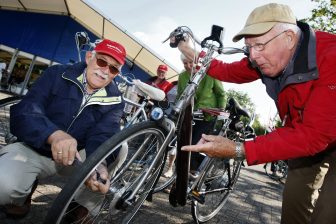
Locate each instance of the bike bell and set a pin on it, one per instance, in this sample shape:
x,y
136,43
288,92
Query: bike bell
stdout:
x,y
156,114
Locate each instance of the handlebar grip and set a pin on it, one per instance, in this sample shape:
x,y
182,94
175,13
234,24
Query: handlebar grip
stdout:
x,y
178,38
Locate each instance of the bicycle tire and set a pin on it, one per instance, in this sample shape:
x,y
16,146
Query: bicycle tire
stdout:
x,y
178,193
164,182
144,140
235,171
5,136
213,189
280,171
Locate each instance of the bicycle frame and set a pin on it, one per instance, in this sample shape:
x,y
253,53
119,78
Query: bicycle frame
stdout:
x,y
175,125
140,111
181,112
148,92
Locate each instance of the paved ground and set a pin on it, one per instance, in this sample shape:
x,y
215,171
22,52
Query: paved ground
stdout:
x,y
257,199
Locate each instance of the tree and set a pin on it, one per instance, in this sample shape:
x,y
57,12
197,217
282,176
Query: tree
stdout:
x,y
258,128
324,16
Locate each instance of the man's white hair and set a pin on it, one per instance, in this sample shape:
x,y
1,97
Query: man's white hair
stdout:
x,y
183,57
287,26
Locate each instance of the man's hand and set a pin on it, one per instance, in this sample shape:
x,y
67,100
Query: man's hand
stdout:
x,y
63,148
96,185
214,146
185,46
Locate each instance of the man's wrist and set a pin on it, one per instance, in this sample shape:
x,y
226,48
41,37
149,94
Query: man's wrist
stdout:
x,y
240,152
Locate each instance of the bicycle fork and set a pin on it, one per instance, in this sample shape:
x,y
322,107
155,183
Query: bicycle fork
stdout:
x,y
206,163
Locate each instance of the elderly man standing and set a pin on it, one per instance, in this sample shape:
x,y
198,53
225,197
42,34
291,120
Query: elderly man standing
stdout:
x,y
69,109
297,66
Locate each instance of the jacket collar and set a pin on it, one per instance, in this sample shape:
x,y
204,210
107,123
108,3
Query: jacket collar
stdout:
x,y
109,94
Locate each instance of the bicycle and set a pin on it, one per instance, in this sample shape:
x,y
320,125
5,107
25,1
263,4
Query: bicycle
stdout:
x,y
133,90
147,144
6,136
277,170
137,112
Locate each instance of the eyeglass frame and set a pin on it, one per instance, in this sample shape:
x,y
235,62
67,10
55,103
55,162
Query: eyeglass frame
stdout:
x,y
110,66
261,46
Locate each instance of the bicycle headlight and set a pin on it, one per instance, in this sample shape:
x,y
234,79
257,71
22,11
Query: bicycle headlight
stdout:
x,y
156,114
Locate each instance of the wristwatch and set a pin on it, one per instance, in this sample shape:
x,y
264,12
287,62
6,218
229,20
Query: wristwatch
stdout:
x,y
239,151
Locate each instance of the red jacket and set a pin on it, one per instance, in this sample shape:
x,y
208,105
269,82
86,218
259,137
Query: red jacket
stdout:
x,y
306,100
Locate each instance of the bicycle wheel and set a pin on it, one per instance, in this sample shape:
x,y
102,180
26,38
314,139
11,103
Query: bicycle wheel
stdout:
x,y
211,191
168,174
276,170
5,136
213,188
165,181
178,192
235,167
129,187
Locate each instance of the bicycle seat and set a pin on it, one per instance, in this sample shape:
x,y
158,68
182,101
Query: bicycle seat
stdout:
x,y
148,90
234,107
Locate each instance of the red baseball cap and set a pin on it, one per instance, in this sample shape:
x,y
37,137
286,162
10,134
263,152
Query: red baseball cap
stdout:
x,y
113,49
163,68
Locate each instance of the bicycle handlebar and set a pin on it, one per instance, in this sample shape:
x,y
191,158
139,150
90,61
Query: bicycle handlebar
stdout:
x,y
183,32
127,79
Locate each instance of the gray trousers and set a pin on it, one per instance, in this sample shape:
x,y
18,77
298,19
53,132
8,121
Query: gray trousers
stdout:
x,y
20,166
310,191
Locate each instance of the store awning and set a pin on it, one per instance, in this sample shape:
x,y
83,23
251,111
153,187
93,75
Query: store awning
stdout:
x,y
83,13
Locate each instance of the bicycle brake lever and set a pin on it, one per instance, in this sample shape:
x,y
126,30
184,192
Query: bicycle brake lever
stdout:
x,y
166,40
179,35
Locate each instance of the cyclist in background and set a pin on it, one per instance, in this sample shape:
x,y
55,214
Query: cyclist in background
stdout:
x,y
297,66
68,112
160,80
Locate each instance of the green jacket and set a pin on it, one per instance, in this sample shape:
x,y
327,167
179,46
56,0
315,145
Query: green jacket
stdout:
x,y
209,94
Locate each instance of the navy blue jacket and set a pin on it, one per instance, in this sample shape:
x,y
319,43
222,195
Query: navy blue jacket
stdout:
x,y
54,103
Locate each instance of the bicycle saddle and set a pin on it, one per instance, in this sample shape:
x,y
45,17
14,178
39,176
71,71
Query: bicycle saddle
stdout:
x,y
153,92
234,107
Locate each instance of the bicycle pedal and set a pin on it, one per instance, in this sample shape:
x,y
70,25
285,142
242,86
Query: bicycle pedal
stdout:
x,y
197,196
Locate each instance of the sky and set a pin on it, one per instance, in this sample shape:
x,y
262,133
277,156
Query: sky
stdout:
x,y
151,22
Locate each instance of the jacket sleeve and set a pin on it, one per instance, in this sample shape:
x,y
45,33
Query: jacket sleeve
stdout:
x,y
316,131
235,72
220,94
27,118
106,127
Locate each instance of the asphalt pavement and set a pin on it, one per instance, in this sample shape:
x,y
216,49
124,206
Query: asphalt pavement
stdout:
x,y
256,199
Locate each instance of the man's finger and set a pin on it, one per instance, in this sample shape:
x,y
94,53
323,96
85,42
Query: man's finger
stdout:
x,y
192,148
65,157
209,138
78,156
54,153
71,158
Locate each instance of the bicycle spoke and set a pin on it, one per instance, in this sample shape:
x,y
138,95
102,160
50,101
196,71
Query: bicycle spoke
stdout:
x,y
130,185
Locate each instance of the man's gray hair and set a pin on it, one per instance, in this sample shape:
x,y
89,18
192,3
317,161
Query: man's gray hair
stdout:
x,y
183,57
287,26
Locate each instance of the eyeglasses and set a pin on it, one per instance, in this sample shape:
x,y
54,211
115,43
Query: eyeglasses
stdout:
x,y
261,46
102,63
